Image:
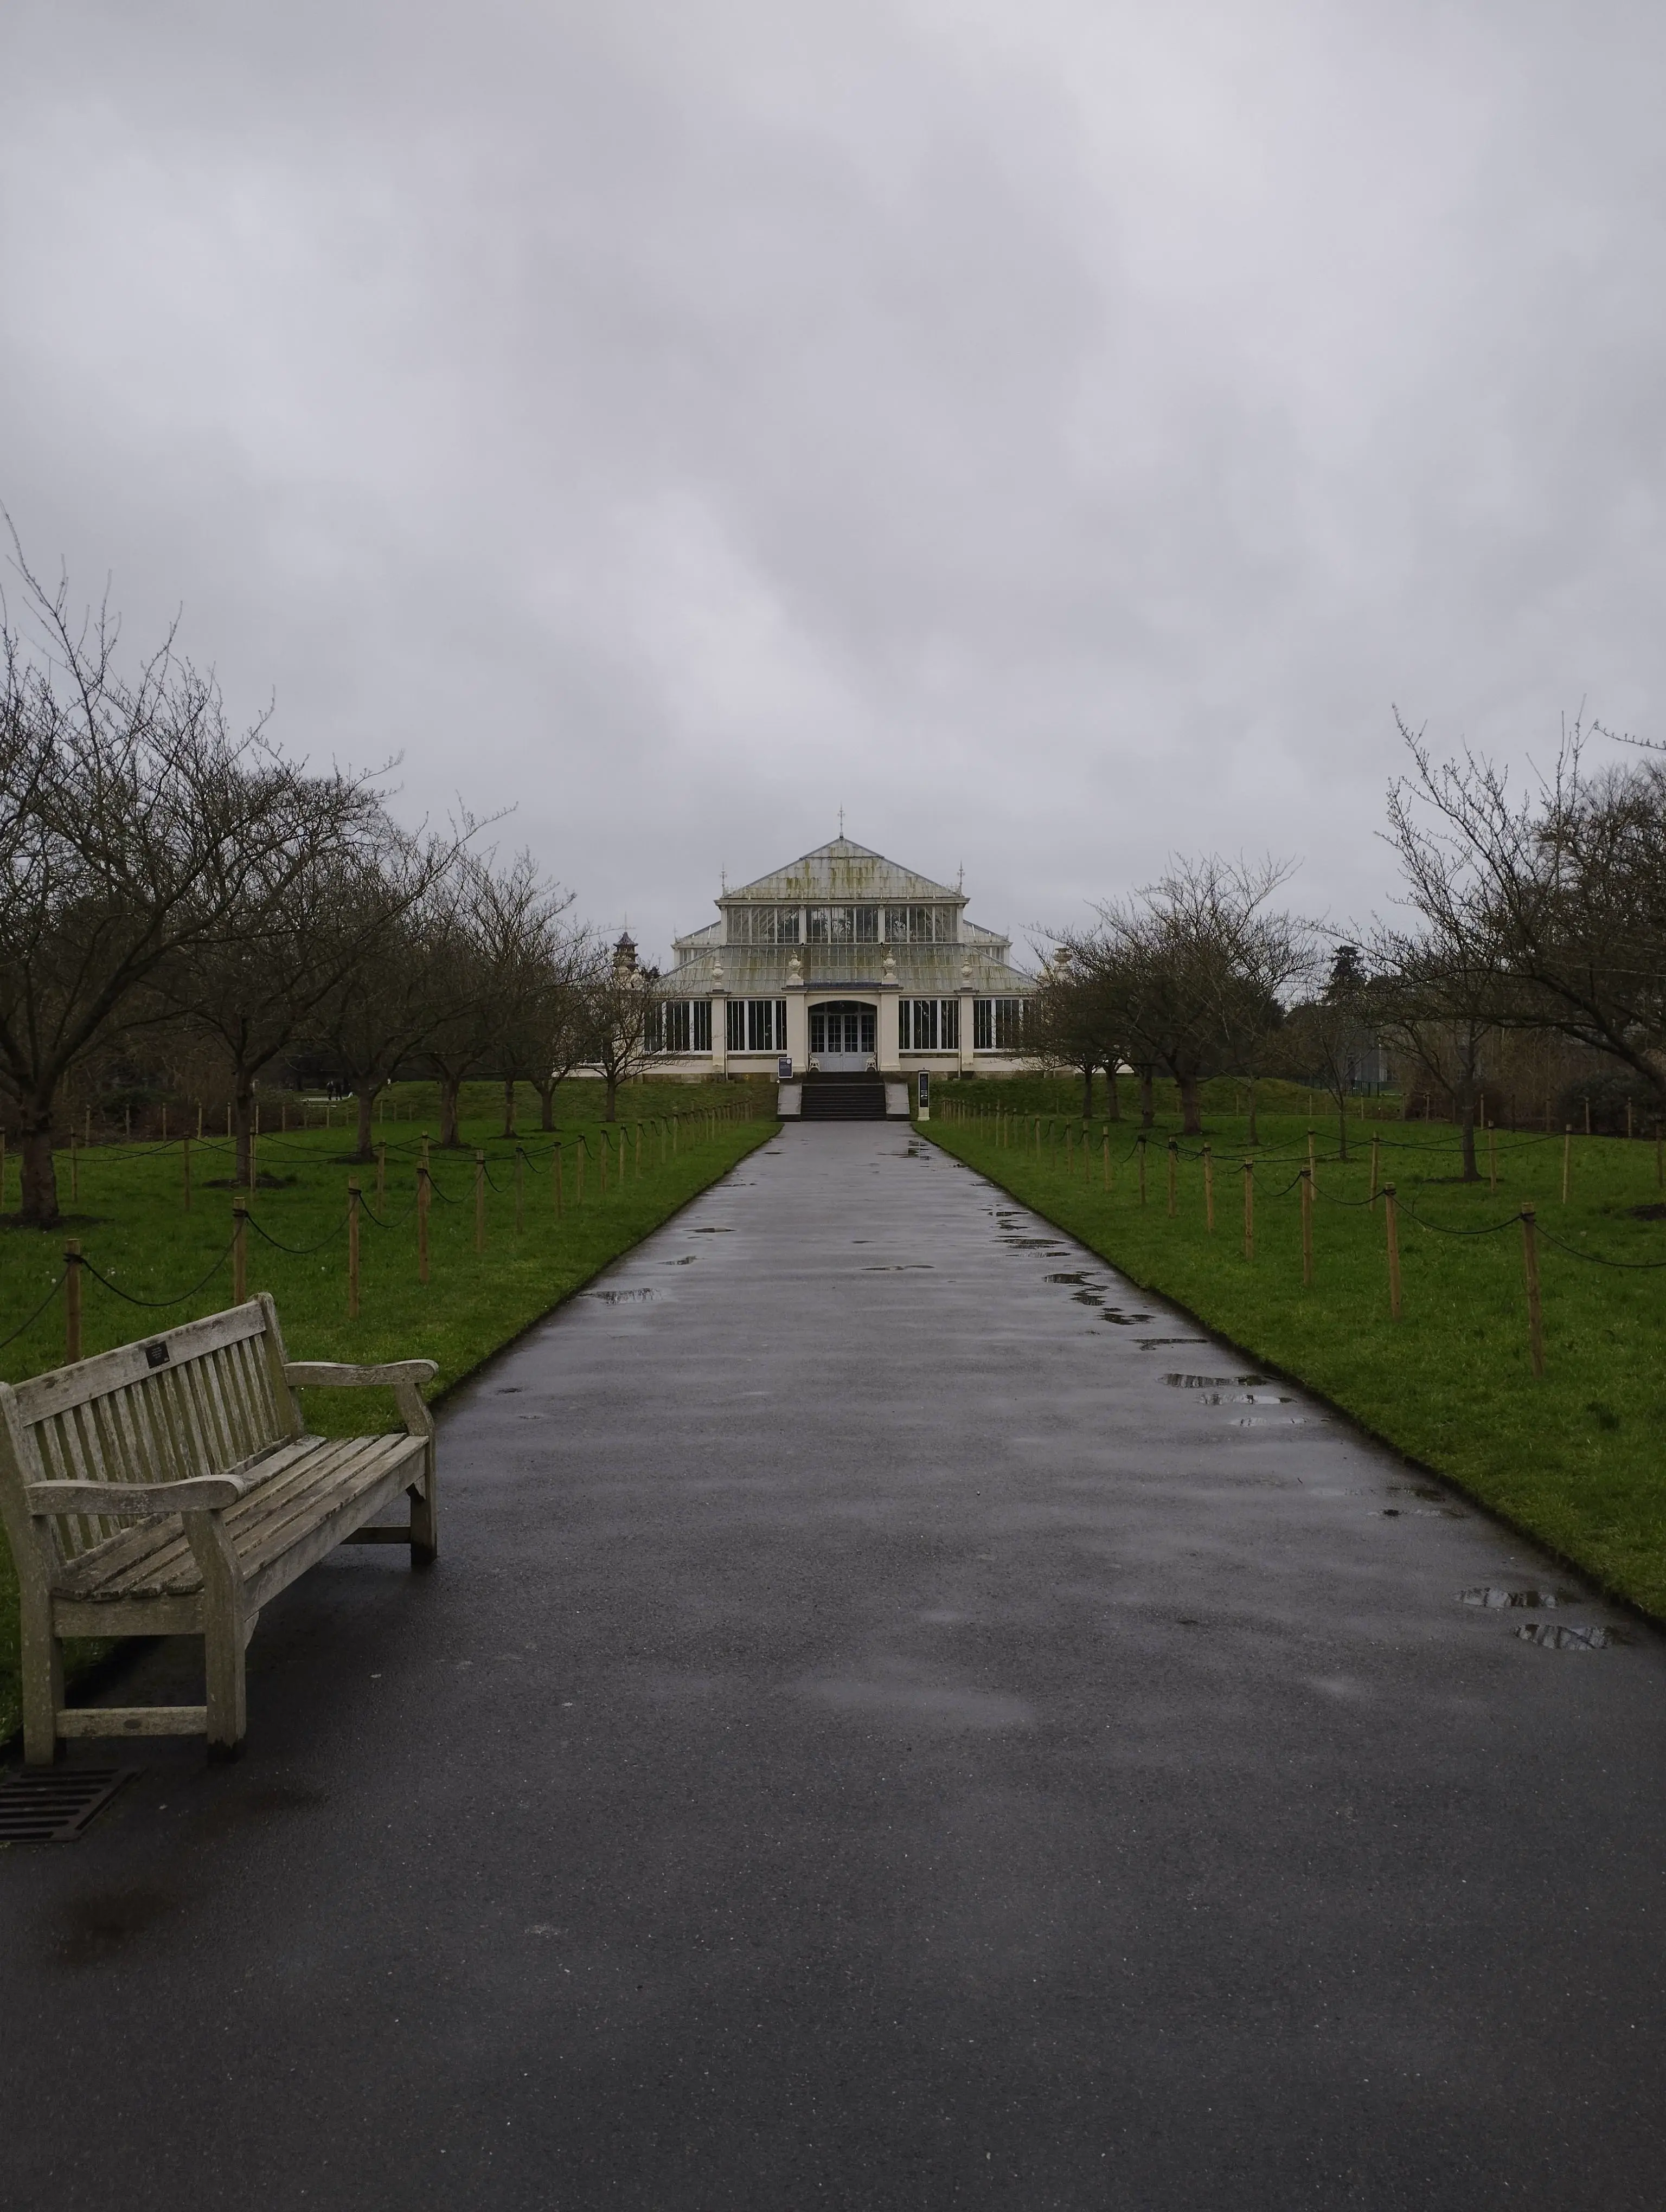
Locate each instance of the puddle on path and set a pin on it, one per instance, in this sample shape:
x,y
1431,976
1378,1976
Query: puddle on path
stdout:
x,y
1156,1343
687,1261
1247,1398
1553,1636
1497,1600
1120,1319
711,1232
1087,1281
899,1267
1213,1382
621,1297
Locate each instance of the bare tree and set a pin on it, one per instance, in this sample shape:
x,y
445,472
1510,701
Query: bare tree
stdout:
x,y
382,1008
298,920
1560,895
123,802
617,1007
1189,974
529,957
1327,1037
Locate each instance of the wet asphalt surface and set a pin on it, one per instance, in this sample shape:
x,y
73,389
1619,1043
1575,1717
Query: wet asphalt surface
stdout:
x,y
875,1738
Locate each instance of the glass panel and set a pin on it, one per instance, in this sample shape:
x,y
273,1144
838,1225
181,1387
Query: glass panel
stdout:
x,y
867,925
831,925
734,1030
866,1019
983,1024
702,1025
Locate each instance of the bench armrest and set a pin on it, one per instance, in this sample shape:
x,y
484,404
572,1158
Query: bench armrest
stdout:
x,y
404,1376
137,1501
330,1375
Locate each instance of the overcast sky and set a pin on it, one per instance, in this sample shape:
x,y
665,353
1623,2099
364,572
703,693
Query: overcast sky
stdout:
x,y
1056,433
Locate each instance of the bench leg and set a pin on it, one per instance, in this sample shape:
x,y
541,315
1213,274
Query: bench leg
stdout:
x,y
43,1693
225,1633
227,1699
424,1524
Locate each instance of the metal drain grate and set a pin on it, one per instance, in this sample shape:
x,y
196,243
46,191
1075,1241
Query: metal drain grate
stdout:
x,y
55,1806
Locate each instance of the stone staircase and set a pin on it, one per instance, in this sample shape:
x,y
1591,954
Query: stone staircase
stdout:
x,y
843,1098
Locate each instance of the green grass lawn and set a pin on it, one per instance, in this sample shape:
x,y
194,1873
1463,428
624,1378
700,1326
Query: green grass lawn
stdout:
x,y
129,1219
1575,1456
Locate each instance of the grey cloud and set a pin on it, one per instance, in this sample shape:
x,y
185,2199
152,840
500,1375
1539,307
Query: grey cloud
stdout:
x,y
1055,435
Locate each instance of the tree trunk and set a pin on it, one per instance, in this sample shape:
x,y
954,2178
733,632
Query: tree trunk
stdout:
x,y
1343,1122
1087,1091
366,1095
1113,1095
40,1174
546,1105
509,1129
450,1085
242,1086
612,1081
1191,1108
1147,1099
1466,1106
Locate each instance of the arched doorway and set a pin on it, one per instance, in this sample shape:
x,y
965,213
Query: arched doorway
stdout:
x,y
842,1034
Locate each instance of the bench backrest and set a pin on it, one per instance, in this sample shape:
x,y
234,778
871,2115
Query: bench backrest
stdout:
x,y
197,1399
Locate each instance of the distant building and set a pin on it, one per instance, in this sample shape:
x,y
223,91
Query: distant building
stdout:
x,y
842,962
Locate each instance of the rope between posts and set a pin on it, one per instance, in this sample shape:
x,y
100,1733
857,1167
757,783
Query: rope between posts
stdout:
x,y
1596,1258
35,1315
297,1251
1437,1229
133,1300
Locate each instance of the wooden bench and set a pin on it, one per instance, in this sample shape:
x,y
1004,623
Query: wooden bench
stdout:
x,y
170,1488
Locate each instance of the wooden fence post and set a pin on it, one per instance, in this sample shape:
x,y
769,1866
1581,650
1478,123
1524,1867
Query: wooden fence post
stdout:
x,y
521,1189
424,1200
1307,1226
1174,1176
353,1248
72,1299
480,1202
1248,1209
1393,1227
199,1119
639,1151
1375,1146
1312,1163
1209,1189
1568,1156
240,1250
1536,1334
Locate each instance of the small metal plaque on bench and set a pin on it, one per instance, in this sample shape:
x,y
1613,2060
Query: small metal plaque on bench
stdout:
x,y
156,1355
54,1807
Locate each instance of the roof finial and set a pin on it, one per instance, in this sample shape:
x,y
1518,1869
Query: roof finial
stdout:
x,y
842,821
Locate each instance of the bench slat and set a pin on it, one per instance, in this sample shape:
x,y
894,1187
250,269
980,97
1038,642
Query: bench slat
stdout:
x,y
154,1561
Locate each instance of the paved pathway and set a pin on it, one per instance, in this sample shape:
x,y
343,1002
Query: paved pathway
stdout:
x,y
876,1738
